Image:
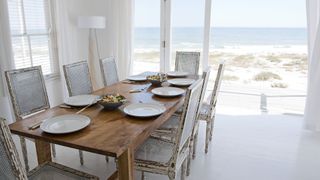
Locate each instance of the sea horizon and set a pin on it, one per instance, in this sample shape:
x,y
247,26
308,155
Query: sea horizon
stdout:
x,y
148,38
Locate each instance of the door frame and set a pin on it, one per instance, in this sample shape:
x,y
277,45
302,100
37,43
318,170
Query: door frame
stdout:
x,y
166,34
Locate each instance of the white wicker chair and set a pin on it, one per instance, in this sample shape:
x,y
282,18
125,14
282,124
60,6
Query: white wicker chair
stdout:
x,y
169,129
11,167
78,79
109,71
159,156
28,96
187,62
207,112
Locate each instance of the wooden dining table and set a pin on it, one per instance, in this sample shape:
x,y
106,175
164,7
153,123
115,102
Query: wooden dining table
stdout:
x,y
110,133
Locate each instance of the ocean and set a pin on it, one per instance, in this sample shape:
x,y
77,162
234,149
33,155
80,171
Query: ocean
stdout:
x,y
191,37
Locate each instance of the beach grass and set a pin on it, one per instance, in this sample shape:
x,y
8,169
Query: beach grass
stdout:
x,y
274,69
266,76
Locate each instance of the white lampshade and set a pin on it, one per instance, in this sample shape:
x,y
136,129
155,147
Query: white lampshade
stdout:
x,y
92,22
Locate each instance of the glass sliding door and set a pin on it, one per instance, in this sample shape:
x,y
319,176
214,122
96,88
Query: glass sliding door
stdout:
x,y
147,36
187,24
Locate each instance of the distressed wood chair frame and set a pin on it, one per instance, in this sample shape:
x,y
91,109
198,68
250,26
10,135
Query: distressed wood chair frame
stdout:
x,y
105,76
15,163
183,60
169,133
19,114
209,115
181,150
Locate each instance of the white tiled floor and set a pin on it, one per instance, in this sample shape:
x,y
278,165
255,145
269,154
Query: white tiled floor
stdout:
x,y
246,146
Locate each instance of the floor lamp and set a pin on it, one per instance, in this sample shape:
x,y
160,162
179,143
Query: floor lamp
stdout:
x,y
92,23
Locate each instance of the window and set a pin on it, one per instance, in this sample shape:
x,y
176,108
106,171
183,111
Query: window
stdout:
x,y
31,32
147,36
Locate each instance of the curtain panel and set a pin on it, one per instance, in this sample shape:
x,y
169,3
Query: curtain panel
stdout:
x,y
115,40
312,111
6,60
120,22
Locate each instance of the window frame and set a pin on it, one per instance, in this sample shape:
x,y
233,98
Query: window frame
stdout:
x,y
52,39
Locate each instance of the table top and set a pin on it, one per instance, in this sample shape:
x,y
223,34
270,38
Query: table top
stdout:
x,y
110,132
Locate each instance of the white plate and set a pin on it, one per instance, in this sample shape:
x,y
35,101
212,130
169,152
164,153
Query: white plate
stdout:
x,y
82,100
65,124
144,109
177,74
181,81
137,78
167,91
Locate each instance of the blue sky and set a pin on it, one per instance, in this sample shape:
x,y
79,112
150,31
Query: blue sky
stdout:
x,y
225,13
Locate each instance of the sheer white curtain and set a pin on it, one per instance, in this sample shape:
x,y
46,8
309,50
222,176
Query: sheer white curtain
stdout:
x,y
6,61
312,110
115,40
120,15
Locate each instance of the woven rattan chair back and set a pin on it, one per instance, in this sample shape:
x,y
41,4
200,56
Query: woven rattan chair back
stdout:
x,y
187,62
27,90
11,167
109,71
189,114
77,77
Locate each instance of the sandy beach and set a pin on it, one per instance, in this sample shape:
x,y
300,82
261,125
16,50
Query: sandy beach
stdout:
x,y
276,71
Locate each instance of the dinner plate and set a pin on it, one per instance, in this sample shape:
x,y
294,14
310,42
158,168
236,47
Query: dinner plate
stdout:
x,y
144,109
65,124
181,81
168,91
137,78
82,100
177,74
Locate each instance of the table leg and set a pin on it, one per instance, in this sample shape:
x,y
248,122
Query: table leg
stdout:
x,y
126,165
43,151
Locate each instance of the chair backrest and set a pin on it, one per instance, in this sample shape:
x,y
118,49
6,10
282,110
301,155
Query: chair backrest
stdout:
x,y
205,76
187,62
189,114
109,71
27,90
216,89
11,167
77,77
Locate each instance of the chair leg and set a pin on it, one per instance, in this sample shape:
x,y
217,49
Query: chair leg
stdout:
x,y
24,152
189,160
142,175
194,145
172,175
208,131
212,126
183,170
53,150
81,157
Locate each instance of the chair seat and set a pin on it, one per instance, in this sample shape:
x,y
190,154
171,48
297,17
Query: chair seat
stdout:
x,y
168,129
204,111
54,171
172,123
155,150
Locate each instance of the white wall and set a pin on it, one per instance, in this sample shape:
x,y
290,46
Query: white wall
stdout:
x,y
72,46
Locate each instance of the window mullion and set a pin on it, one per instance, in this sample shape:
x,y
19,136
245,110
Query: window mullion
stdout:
x,y
30,49
25,31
